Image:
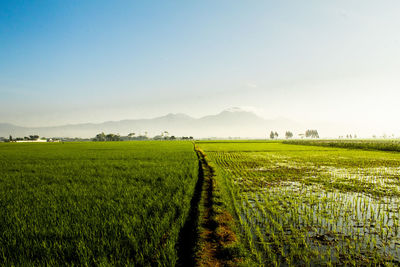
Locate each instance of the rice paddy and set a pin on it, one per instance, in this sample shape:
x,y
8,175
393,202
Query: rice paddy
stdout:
x,y
371,144
94,203
307,205
126,203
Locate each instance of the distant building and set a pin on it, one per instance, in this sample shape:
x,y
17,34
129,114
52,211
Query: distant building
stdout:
x,y
32,141
50,140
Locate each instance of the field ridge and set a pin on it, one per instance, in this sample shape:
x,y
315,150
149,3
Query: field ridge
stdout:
x,y
215,232
189,234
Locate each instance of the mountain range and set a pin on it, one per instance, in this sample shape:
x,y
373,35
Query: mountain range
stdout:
x,y
233,122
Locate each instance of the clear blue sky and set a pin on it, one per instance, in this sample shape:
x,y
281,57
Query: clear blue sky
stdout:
x,y
92,61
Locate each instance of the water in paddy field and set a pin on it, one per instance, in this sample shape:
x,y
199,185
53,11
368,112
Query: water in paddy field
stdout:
x,y
334,223
314,207
331,219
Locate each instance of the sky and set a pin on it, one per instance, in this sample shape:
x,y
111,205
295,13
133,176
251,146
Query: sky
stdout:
x,y
336,62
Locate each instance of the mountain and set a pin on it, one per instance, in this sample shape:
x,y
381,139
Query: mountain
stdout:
x,y
233,122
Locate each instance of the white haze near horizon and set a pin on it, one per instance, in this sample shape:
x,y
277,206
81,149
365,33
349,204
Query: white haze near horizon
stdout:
x,y
332,65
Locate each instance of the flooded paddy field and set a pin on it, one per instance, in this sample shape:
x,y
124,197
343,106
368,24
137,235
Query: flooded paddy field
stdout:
x,y
309,205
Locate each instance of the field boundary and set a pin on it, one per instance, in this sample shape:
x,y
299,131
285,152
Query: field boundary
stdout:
x,y
215,234
189,234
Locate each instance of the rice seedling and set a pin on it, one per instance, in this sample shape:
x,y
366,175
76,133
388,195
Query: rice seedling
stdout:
x,y
384,145
302,205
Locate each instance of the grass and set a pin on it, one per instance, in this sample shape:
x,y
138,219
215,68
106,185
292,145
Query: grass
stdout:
x,y
302,205
117,203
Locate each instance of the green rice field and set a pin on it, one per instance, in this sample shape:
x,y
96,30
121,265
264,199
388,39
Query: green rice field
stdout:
x,y
371,144
299,205
94,203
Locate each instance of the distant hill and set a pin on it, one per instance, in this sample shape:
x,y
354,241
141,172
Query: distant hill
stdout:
x,y
233,122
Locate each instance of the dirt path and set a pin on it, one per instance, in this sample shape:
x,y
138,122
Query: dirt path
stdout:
x,y
189,234
215,234
206,234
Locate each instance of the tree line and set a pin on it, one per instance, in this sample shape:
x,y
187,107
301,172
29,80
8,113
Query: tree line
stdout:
x,y
26,138
132,136
289,134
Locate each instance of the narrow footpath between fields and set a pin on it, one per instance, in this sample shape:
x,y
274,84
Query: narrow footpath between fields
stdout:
x,y
206,238
215,234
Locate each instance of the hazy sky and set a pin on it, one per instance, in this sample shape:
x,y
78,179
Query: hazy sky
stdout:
x,y
92,61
